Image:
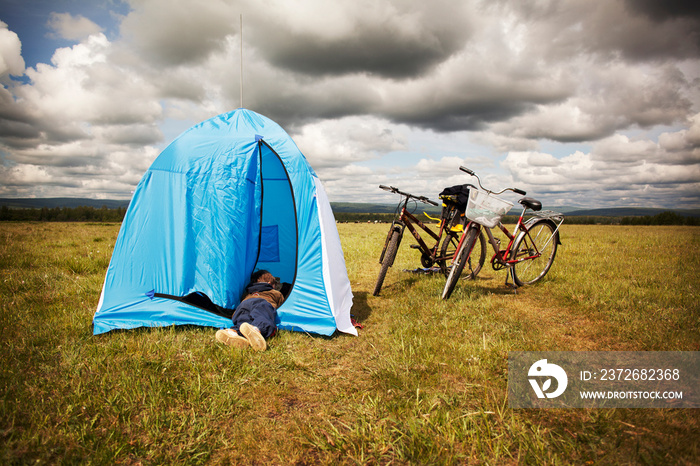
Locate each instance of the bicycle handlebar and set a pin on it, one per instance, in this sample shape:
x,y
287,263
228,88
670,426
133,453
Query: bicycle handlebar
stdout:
x,y
466,170
422,199
471,172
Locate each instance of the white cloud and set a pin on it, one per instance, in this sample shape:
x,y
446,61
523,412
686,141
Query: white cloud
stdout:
x,y
683,146
620,149
336,143
95,125
25,175
607,100
641,168
11,61
67,26
83,85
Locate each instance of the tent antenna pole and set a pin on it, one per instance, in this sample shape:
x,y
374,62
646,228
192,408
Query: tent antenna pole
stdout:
x,y
241,60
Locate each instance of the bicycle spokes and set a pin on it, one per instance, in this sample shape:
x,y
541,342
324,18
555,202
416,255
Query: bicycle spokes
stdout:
x,y
534,252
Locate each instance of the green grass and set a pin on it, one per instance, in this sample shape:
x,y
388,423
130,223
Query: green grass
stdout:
x,y
425,382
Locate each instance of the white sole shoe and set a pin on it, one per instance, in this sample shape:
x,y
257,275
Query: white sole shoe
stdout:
x,y
231,338
254,337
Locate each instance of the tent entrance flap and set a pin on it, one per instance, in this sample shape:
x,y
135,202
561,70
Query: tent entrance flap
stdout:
x,y
278,233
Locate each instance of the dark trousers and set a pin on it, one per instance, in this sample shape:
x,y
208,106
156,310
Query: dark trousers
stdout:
x,y
257,312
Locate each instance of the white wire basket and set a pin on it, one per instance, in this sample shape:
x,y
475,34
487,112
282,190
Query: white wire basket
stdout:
x,y
485,208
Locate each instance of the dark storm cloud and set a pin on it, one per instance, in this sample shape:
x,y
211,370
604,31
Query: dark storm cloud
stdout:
x,y
608,30
465,74
385,39
353,80
374,51
677,37
294,112
67,162
662,10
132,135
173,33
467,117
16,127
19,129
674,31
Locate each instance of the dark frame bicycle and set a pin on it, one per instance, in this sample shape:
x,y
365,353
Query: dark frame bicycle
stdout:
x,y
446,239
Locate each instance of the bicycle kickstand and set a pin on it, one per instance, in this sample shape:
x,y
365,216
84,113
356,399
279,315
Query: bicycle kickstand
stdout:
x,y
512,286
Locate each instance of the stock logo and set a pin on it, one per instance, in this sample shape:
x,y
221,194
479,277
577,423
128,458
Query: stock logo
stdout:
x,y
543,372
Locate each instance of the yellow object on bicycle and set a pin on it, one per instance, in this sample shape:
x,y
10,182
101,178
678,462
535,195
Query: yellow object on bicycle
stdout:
x,y
457,228
436,220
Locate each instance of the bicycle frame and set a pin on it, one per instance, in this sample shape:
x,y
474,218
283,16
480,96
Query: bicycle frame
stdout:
x,y
500,256
406,219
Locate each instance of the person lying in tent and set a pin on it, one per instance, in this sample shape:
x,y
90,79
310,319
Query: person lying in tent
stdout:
x,y
254,320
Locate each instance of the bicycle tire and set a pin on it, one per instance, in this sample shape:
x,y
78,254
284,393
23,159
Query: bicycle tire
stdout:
x,y
460,260
475,261
447,250
387,260
542,236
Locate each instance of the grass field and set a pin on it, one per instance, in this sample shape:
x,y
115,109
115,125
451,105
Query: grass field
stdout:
x,y
424,383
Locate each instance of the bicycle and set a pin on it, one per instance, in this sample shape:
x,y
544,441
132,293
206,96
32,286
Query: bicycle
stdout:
x,y
531,248
446,239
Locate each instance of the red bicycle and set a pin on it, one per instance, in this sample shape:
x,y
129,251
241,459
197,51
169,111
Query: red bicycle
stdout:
x,y
531,247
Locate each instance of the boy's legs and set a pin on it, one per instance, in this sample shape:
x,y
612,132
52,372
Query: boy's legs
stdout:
x,y
263,316
251,320
258,313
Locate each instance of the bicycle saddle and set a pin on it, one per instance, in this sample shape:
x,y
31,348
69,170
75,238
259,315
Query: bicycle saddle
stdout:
x,y
531,203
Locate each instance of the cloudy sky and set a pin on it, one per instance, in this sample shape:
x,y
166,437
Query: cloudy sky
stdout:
x,y
588,103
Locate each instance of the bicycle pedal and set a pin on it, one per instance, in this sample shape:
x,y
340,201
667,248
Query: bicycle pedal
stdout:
x,y
415,246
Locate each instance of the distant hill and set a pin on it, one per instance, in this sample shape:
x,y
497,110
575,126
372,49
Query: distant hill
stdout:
x,y
358,207
631,212
346,207
349,207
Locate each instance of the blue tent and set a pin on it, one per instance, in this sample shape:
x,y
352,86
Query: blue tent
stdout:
x,y
229,196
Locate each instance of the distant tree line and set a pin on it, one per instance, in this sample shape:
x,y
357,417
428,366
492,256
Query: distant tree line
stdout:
x,y
664,218
107,215
63,214
356,217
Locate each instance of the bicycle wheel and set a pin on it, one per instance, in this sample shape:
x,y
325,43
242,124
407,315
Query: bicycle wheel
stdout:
x,y
460,260
387,260
475,261
447,250
542,236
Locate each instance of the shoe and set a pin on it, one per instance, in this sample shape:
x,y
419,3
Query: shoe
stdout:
x,y
229,337
257,341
